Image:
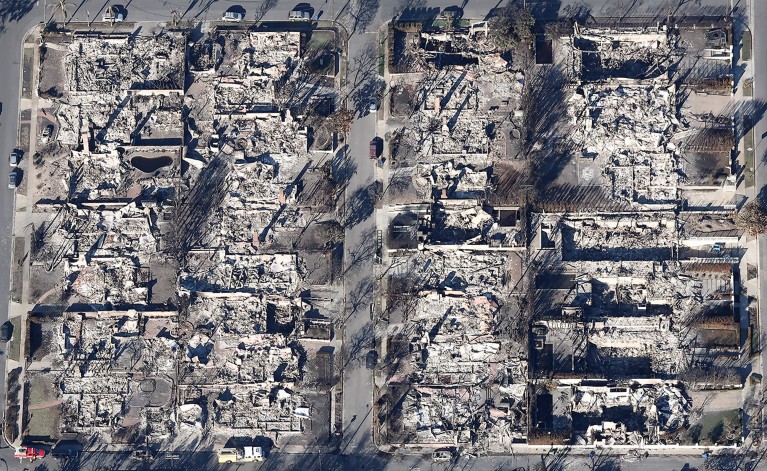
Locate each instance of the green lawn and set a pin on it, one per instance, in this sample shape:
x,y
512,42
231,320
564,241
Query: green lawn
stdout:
x,y
14,348
749,153
319,41
713,425
748,88
745,52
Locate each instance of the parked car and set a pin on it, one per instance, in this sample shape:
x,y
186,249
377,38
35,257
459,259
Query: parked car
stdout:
x,y
374,149
67,449
65,453
13,179
371,359
299,15
6,331
373,104
47,131
14,158
232,16
442,455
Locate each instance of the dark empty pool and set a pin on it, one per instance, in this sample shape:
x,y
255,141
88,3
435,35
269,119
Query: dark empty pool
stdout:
x,y
151,164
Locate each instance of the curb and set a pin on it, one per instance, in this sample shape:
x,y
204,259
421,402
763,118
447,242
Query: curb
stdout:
x,y
33,30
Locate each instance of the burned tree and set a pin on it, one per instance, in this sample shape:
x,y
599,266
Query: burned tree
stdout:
x,y
341,120
513,27
752,218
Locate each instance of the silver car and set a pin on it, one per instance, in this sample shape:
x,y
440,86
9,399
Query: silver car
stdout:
x,y
232,16
14,158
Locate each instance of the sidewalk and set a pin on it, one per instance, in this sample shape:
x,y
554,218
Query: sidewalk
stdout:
x,y
27,140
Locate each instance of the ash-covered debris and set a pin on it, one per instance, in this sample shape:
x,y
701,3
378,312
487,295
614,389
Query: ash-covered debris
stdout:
x,y
173,234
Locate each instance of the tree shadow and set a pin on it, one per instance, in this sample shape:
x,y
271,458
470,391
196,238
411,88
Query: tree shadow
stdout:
x,y
363,12
362,251
262,10
14,10
360,205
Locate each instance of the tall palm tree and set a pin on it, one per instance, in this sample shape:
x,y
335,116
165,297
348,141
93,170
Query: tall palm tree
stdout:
x,y
112,13
62,9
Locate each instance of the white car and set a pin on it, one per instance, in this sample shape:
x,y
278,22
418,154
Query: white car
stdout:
x,y
14,158
299,15
373,104
232,16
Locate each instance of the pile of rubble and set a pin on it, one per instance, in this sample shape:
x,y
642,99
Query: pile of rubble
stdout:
x,y
659,409
626,128
122,62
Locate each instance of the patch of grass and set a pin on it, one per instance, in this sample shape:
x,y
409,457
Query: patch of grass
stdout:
x,y
43,422
320,40
748,88
26,82
323,41
749,153
12,410
17,270
745,52
381,53
752,271
14,350
716,425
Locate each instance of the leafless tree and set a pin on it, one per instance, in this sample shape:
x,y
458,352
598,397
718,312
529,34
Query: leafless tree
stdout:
x,y
752,218
61,8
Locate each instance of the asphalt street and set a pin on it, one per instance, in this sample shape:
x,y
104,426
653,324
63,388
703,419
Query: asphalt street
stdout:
x,y
758,18
358,451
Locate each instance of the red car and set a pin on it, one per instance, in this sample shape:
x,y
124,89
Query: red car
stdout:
x,y
374,149
30,453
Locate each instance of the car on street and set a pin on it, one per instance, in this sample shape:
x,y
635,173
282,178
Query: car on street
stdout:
x,y
6,331
373,105
14,158
67,449
13,179
440,456
299,15
232,16
374,148
371,359
65,453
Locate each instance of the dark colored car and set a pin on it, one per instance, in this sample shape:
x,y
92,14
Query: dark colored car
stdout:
x,y
6,331
13,179
371,360
374,149
65,453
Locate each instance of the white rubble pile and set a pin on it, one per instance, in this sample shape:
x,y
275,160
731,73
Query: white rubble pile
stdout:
x,y
627,128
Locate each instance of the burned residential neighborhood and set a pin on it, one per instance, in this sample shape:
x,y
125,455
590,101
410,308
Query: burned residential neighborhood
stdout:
x,y
364,236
